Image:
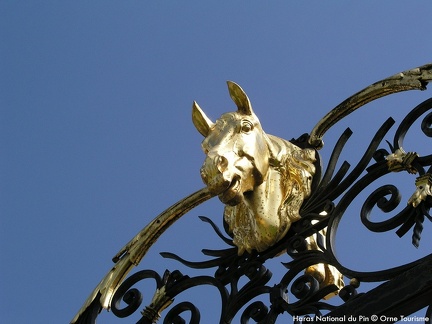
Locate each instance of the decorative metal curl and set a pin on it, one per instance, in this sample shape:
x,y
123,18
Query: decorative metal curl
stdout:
x,y
132,297
378,198
256,311
173,316
304,286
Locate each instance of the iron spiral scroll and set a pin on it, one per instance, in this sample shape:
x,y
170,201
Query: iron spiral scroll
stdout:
x,y
304,290
248,290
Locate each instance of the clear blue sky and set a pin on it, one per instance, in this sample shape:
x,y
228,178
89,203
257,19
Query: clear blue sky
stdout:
x,y
96,132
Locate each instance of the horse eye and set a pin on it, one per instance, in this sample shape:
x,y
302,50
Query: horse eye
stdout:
x,y
246,126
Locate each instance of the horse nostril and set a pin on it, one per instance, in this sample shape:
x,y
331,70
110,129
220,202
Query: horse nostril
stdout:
x,y
221,163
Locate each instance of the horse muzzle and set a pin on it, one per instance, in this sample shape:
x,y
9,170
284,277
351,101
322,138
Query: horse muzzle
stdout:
x,y
220,180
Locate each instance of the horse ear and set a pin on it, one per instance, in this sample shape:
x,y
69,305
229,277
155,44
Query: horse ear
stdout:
x,y
202,123
240,98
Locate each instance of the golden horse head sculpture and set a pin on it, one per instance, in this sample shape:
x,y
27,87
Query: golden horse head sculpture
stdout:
x,y
262,179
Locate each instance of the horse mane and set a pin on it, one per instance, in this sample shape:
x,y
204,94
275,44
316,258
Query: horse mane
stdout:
x,y
297,168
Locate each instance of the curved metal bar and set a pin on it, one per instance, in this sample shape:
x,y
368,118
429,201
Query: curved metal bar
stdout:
x,y
414,79
216,229
133,252
409,120
198,265
426,127
365,159
340,144
319,193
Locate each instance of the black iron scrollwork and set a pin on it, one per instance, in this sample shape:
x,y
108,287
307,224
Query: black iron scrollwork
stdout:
x,y
332,193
